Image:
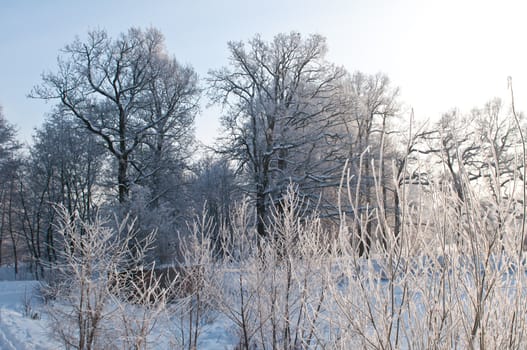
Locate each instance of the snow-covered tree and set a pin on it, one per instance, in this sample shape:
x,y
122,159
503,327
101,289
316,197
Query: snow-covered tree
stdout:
x,y
281,98
365,143
10,166
130,94
63,167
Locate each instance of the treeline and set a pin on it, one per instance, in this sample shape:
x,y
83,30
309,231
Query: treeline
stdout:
x,y
119,140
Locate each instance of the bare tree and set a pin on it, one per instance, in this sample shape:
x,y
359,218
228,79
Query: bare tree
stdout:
x,y
125,91
480,146
371,106
71,156
10,170
406,166
498,134
172,103
63,166
215,191
281,98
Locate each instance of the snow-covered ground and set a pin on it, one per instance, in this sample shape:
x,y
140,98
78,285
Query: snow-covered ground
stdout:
x,y
24,325
21,323
360,288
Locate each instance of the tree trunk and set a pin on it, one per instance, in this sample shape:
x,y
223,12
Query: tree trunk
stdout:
x,y
122,181
260,212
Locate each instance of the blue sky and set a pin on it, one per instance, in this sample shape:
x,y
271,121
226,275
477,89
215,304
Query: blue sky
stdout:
x,y
442,54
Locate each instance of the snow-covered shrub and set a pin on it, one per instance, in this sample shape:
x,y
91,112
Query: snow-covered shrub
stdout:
x,y
193,308
273,289
454,277
92,310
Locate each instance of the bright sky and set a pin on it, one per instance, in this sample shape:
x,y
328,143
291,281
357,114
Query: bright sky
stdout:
x,y
442,54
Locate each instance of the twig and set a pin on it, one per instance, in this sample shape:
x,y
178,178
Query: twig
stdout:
x,y
524,152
